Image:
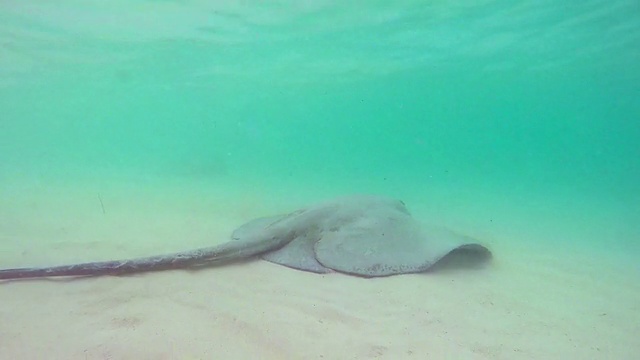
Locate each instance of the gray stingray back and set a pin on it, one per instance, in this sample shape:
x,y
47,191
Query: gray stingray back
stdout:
x,y
360,235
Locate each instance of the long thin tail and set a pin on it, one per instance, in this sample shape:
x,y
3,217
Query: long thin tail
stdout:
x,y
233,250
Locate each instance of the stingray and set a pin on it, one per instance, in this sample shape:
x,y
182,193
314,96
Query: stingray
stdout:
x,y
362,235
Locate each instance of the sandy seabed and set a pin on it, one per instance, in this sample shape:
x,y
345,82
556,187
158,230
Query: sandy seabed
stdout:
x,y
531,302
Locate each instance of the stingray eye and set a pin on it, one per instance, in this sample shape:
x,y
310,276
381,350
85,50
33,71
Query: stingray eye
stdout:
x,y
402,207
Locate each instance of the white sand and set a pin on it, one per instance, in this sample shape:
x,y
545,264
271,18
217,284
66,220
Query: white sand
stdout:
x,y
532,302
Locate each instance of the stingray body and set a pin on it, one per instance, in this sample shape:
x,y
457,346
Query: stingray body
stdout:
x,y
362,235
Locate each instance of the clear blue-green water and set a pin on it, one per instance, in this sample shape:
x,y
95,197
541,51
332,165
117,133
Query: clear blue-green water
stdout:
x,y
517,122
534,101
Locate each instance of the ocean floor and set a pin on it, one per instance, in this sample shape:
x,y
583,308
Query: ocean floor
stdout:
x,y
540,297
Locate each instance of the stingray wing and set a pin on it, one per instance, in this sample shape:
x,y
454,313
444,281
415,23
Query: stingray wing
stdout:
x,y
385,240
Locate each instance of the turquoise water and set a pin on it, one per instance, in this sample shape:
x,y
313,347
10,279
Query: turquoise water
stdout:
x,y
462,104
528,109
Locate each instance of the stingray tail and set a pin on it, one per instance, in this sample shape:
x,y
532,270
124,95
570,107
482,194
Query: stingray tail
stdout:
x,y
229,251
117,267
